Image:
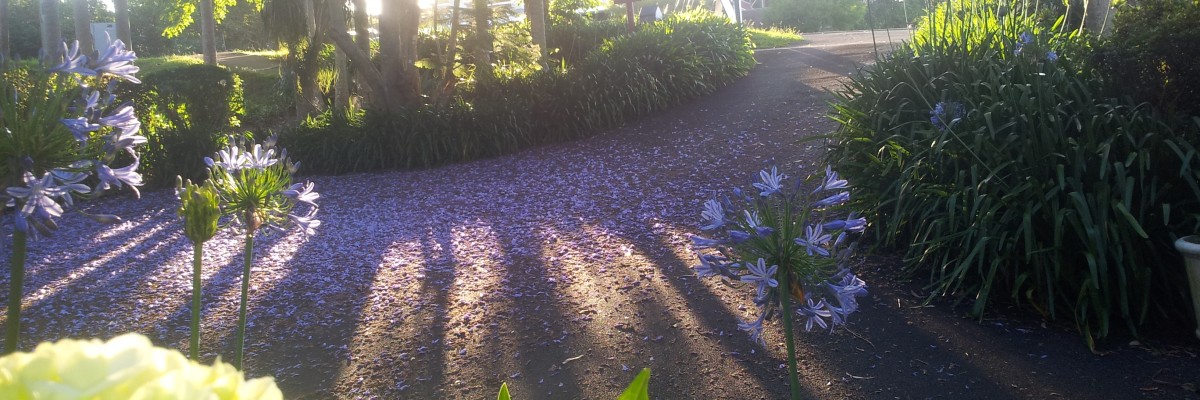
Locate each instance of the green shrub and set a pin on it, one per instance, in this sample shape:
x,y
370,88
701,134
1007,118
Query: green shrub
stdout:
x,y
665,63
1153,55
187,113
1027,183
572,40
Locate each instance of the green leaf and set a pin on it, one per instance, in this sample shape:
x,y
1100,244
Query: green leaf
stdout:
x,y
503,392
639,389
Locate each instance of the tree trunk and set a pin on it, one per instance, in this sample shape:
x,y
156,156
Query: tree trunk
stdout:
x,y
483,39
397,52
308,100
208,32
449,80
83,26
535,11
4,54
341,89
372,77
51,34
362,26
121,8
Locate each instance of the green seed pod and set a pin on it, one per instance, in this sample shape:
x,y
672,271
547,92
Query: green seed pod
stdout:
x,y
200,208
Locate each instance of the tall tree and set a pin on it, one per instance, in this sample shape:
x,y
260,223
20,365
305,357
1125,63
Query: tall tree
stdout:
x,y
51,33
4,51
397,49
483,39
121,8
208,32
83,25
535,11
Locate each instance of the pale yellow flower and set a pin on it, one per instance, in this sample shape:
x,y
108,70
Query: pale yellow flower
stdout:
x,y
126,367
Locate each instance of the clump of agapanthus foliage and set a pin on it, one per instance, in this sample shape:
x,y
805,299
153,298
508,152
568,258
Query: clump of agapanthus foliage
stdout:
x,y
58,128
791,246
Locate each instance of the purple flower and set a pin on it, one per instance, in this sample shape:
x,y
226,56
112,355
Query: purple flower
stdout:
x,y
260,157
814,238
303,193
814,314
945,114
833,200
769,183
755,329
713,214
850,224
38,196
72,61
831,181
738,237
119,177
127,125
705,243
307,224
80,127
118,62
1024,39
1051,56
762,276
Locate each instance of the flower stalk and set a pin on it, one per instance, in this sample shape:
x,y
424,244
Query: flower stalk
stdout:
x,y
200,209
12,330
789,336
240,350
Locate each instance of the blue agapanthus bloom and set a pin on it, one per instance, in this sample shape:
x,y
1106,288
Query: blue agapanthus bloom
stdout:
x,y
1024,39
93,115
788,243
946,114
1051,56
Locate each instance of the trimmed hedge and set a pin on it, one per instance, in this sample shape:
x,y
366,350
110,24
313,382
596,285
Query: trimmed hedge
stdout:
x,y
187,113
665,63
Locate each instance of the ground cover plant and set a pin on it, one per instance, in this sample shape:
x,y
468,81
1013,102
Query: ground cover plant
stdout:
x,y
986,152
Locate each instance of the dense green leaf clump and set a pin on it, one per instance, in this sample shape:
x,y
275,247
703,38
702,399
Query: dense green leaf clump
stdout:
x,y
986,149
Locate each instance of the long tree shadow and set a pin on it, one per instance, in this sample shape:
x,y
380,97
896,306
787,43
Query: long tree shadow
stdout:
x,y
301,326
539,338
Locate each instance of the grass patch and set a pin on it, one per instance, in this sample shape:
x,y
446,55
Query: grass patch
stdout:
x,y
772,37
153,64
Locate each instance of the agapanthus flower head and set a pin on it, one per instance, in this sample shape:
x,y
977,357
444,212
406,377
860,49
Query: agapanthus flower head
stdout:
x,y
946,114
799,232
1052,56
76,82
1024,39
256,190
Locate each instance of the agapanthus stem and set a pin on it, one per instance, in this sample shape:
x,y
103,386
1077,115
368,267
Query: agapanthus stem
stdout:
x,y
241,329
16,263
197,257
785,309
